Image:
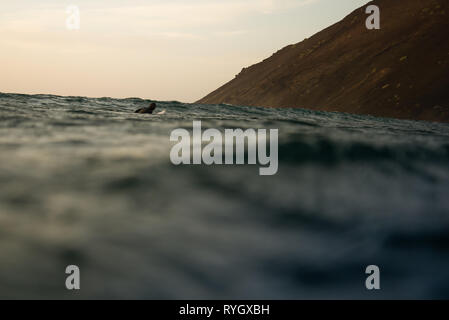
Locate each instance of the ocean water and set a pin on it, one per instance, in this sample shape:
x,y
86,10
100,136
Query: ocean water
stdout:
x,y
88,182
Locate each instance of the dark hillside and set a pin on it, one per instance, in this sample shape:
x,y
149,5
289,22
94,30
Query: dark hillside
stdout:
x,y
401,70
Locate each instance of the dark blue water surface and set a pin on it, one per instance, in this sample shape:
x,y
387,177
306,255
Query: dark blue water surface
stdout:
x,y
87,182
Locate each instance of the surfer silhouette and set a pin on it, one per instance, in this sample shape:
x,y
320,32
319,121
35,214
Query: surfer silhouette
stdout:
x,y
149,109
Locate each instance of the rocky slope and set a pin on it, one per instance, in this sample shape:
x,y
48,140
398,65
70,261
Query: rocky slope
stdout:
x,y
401,70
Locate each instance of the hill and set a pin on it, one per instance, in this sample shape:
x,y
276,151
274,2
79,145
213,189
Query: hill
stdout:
x,y
401,70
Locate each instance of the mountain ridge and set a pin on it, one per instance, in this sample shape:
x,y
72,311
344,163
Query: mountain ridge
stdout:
x,y
399,71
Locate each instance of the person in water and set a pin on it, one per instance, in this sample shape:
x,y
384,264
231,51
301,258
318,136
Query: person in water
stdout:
x,y
149,109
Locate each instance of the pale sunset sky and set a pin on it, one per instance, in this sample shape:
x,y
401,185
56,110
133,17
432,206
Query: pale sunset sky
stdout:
x,y
155,49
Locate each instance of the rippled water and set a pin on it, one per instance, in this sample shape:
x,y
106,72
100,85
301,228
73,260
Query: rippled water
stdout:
x,y
88,182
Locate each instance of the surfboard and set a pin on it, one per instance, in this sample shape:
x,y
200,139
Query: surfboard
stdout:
x,y
161,112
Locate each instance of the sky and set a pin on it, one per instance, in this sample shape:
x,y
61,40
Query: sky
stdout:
x,y
154,49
